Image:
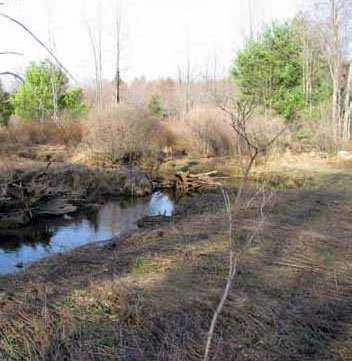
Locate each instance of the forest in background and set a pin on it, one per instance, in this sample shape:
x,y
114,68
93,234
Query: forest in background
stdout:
x,y
295,72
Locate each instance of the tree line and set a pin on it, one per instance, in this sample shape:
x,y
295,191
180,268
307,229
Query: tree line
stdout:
x,y
296,66
293,68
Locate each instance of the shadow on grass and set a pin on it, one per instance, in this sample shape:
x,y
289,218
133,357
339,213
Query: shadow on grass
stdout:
x,y
151,296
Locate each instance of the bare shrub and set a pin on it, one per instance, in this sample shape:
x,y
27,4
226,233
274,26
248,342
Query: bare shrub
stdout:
x,y
26,133
263,127
202,131
120,131
319,133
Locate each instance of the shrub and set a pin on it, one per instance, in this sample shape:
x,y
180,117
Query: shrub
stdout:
x,y
118,131
26,133
203,131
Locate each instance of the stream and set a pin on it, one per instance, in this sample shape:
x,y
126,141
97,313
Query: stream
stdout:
x,y
49,236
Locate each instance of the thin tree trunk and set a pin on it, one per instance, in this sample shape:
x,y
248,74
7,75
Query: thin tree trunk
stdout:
x,y
335,107
96,66
250,15
336,67
118,53
100,52
347,106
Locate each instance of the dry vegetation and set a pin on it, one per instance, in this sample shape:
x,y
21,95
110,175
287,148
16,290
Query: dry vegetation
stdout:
x,y
150,295
147,133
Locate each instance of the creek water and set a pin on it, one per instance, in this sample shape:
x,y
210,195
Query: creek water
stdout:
x,y
48,236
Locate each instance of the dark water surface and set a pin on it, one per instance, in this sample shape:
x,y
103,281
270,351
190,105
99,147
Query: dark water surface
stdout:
x,y
49,236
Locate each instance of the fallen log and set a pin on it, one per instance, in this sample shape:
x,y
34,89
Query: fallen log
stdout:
x,y
202,175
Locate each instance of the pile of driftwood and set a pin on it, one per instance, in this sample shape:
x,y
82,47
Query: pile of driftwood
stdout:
x,y
187,182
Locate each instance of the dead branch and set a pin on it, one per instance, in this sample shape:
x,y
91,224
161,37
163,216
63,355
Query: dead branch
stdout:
x,y
203,174
10,52
18,77
24,27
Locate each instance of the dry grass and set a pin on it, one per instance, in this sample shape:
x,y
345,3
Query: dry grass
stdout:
x,y
150,295
115,132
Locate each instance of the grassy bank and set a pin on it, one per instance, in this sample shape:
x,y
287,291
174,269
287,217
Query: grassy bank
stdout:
x,y
150,295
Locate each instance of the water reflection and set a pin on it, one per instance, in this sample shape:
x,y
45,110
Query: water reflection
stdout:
x,y
59,235
161,204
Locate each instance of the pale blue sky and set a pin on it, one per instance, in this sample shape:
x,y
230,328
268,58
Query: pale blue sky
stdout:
x,y
157,33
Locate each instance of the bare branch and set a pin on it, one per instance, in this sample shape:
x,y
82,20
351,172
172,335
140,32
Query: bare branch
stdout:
x,y
24,27
18,77
233,256
10,52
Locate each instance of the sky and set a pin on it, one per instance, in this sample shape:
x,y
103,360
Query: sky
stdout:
x,y
158,36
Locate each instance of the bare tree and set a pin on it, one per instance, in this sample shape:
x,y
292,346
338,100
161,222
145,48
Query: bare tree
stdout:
x,y
309,61
251,17
239,112
100,49
188,80
118,34
333,34
184,75
53,80
96,63
346,135
335,61
96,46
